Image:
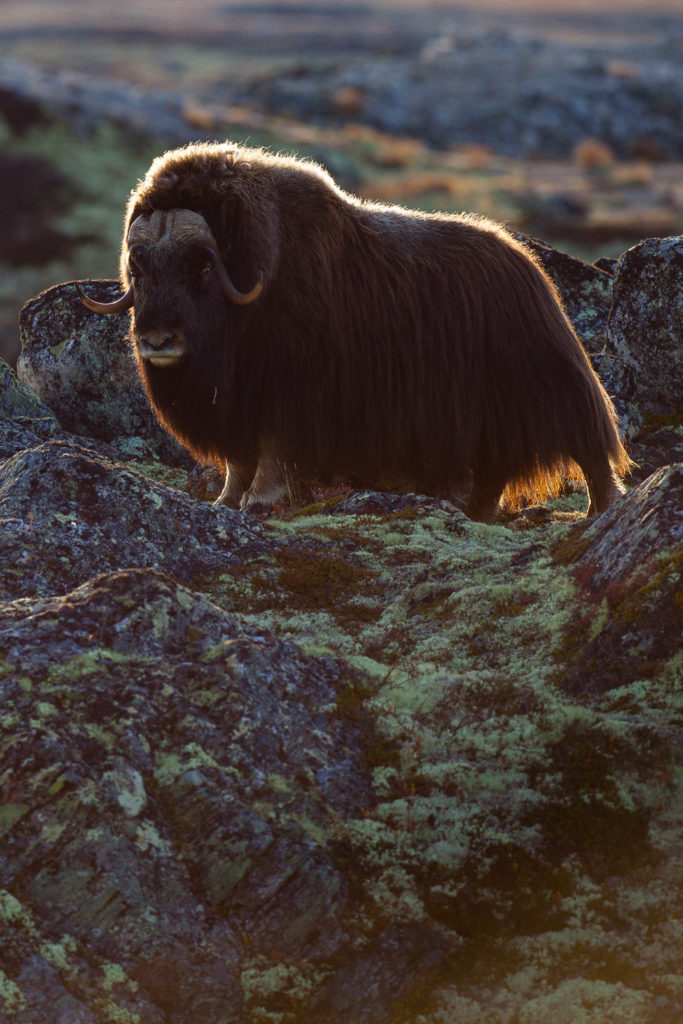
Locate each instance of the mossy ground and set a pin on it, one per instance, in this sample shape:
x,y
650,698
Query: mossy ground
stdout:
x,y
527,821
522,827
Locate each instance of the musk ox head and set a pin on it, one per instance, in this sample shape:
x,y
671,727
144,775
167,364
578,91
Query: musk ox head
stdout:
x,y
175,278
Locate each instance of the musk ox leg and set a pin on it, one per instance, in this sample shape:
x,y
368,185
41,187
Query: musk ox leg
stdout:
x,y
483,504
237,479
267,487
603,486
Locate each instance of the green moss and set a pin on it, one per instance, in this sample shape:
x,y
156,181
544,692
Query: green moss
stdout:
x,y
277,992
509,599
636,599
317,507
309,581
571,547
317,579
6,667
10,814
659,420
352,704
588,812
12,999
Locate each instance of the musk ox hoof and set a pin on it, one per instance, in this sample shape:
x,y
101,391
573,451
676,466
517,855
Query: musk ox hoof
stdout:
x,y
258,508
222,502
532,515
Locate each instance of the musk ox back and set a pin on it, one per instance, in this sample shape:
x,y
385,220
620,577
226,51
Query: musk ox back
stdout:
x,y
281,325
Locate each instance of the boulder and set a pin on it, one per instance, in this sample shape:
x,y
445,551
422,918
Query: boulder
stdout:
x,y
81,366
645,328
25,420
161,846
69,512
631,568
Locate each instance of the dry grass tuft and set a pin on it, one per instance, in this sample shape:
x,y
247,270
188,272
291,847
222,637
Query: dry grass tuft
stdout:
x,y
592,155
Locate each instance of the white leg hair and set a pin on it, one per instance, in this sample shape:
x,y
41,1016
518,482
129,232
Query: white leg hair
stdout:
x,y
236,482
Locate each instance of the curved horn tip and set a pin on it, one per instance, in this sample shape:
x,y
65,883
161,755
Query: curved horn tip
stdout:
x,y
119,305
230,291
244,298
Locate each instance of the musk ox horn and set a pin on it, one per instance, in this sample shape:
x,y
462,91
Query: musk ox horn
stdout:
x,y
169,227
119,305
231,293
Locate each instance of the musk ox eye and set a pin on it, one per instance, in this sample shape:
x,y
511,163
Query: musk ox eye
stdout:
x,y
207,270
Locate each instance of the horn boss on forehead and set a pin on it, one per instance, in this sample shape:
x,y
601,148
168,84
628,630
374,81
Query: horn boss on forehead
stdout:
x,y
168,227
393,349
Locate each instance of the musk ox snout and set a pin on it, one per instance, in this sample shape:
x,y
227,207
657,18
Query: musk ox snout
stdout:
x,y
161,347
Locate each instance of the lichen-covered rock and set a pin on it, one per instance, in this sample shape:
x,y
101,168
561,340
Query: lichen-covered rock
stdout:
x,y
67,513
653,447
637,530
645,330
631,570
24,420
19,403
586,293
173,785
80,365
379,503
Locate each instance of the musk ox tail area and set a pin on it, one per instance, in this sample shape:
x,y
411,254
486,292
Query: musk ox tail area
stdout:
x,y
572,430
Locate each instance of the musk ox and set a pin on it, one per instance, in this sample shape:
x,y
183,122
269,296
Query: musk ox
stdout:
x,y
282,326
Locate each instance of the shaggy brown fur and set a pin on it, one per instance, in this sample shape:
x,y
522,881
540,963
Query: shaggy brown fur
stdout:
x,y
388,347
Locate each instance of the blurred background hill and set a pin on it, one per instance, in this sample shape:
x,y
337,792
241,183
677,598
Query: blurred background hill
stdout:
x,y
563,119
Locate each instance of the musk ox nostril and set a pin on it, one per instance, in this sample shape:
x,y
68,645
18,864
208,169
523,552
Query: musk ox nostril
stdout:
x,y
158,339
161,347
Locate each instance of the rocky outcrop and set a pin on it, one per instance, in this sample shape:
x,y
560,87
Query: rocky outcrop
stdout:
x,y
82,368
183,775
364,761
644,329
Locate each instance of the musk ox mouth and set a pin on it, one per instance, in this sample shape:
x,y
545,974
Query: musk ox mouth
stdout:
x,y
161,346
161,358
